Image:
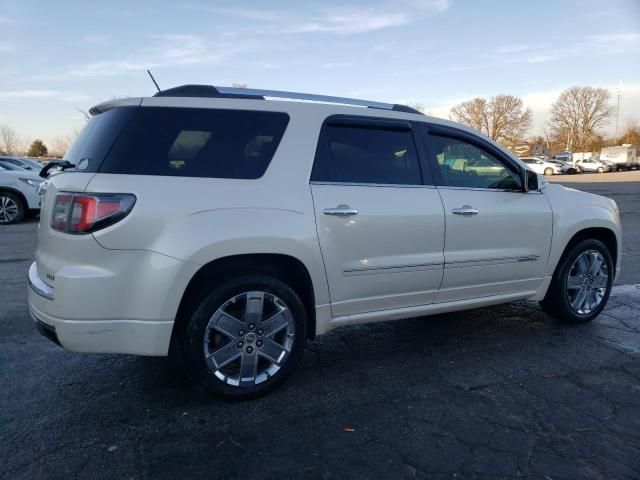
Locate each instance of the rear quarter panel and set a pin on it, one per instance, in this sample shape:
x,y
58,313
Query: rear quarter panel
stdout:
x,y
199,220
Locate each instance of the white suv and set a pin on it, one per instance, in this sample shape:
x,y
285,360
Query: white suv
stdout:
x,y
18,196
224,227
542,167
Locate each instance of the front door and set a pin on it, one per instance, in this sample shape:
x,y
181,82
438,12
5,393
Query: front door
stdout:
x,y
381,230
497,236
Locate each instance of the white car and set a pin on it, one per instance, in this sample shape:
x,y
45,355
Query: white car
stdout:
x,y
223,227
542,167
18,196
592,165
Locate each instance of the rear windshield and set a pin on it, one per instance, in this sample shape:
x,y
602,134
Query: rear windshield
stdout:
x,y
196,142
94,141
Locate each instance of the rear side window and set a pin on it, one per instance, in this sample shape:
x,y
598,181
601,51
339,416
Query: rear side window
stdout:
x,y
195,142
95,139
354,154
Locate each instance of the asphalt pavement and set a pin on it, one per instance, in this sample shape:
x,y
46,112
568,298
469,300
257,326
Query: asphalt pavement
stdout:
x,y
502,392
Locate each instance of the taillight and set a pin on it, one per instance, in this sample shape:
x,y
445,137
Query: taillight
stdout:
x,y
85,213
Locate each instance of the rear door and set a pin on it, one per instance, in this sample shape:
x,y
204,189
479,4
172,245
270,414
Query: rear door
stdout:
x,y
379,220
497,236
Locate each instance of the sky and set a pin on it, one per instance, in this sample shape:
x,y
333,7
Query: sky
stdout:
x,y
58,58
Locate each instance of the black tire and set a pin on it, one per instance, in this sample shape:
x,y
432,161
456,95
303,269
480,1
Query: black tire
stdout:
x,y
556,302
548,171
187,352
15,199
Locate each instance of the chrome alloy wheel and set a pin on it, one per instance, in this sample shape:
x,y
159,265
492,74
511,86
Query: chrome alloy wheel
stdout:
x,y
8,210
587,282
248,338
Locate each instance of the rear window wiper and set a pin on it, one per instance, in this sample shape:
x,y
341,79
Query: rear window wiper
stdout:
x,y
59,164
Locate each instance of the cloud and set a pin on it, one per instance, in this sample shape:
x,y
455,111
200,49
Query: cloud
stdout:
x,y
615,43
349,21
6,47
166,51
37,94
437,5
97,39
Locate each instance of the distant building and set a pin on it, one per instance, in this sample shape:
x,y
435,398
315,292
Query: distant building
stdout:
x,y
529,149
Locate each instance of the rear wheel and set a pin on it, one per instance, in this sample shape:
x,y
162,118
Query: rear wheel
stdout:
x,y
11,208
581,284
600,170
548,171
245,337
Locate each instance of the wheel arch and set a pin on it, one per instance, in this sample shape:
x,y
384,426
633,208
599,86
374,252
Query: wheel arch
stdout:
x,y
604,234
19,194
284,267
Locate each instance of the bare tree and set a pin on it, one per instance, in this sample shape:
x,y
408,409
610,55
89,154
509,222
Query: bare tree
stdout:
x,y
60,145
10,142
501,118
579,114
631,132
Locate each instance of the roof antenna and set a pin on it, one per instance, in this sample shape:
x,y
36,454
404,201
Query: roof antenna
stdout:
x,y
153,80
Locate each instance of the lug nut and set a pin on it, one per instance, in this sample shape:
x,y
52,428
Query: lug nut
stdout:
x,y
240,344
249,349
259,343
251,326
260,332
241,333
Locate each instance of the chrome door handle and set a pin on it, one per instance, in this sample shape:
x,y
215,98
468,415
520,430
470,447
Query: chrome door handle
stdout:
x,y
465,210
341,211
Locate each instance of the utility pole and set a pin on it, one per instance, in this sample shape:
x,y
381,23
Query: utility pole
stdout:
x,y
619,89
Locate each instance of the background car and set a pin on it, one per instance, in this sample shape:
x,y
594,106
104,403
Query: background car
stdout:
x,y
566,168
18,196
24,163
540,166
592,165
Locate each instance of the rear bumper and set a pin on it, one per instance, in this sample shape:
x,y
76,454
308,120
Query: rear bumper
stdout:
x,y
129,336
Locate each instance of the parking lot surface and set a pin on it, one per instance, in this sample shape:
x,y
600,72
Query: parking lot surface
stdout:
x,y
499,392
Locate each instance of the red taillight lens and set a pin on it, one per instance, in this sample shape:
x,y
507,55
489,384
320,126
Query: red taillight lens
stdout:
x,y
80,213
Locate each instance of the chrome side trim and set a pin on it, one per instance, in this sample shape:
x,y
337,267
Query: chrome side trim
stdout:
x,y
353,272
355,184
490,261
37,285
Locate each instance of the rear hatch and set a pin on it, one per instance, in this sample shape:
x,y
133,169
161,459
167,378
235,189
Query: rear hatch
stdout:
x,y
57,248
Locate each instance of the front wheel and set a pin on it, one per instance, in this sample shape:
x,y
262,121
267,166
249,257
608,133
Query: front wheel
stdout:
x,y
581,284
246,336
548,171
600,170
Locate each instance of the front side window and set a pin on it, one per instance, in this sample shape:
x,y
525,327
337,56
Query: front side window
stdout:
x,y
354,154
462,164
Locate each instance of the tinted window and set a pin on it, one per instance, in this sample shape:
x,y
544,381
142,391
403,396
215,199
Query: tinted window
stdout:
x,y
194,142
96,138
463,164
366,155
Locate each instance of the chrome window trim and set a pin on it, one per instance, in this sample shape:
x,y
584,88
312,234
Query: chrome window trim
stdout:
x,y
37,285
377,185
480,189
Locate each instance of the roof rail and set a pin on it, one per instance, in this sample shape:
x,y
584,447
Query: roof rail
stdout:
x,y
256,94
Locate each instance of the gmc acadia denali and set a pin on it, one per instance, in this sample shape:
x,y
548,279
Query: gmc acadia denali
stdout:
x,y
224,227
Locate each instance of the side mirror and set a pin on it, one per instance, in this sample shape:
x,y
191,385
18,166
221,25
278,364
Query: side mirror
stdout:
x,y
530,180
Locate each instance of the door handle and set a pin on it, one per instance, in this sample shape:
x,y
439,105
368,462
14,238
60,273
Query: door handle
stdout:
x,y
466,210
341,211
